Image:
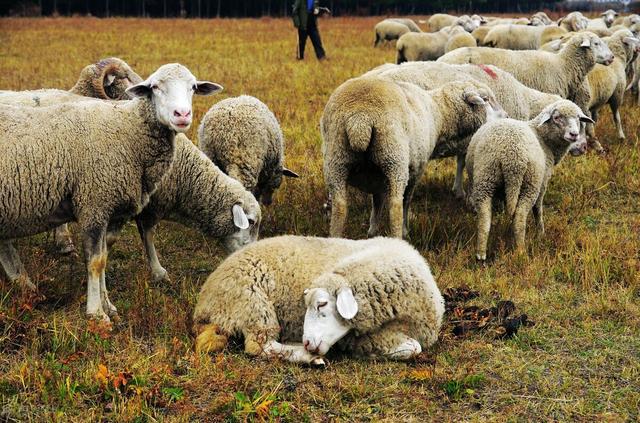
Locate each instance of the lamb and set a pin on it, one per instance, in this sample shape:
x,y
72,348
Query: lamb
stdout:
x,y
92,162
520,37
198,194
518,157
389,30
459,39
374,297
236,126
563,74
574,21
107,79
379,134
608,83
519,101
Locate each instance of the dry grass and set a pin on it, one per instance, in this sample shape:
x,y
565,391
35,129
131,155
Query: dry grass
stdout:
x,y
580,283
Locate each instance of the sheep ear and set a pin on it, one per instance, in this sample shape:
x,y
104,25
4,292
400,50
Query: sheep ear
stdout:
x,y
142,89
109,80
546,117
585,119
629,40
239,217
207,88
473,98
555,44
289,173
586,42
346,303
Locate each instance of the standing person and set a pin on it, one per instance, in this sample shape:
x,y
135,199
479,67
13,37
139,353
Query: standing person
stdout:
x,y
305,18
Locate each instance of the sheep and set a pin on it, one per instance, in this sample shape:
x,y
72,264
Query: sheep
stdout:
x,y
627,20
374,297
92,162
107,79
563,74
388,30
409,23
518,101
459,39
608,83
540,19
520,37
413,47
604,21
379,134
440,20
480,33
574,21
243,138
507,21
518,158
198,194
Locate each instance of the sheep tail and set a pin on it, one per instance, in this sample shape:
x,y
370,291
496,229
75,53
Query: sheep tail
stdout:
x,y
359,128
512,186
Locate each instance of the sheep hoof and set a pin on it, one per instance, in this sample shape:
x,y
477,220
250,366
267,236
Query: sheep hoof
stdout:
x,y
481,257
160,276
100,317
318,362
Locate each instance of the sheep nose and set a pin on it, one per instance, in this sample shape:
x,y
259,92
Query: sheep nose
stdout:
x,y
306,343
182,113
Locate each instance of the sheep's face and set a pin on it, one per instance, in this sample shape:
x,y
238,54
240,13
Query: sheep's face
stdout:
x,y
609,16
171,89
246,224
327,318
565,124
601,52
467,23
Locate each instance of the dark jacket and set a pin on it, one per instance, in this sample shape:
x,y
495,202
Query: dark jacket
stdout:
x,y
301,14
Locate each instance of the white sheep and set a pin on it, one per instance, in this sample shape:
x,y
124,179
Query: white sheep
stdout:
x,y
518,158
563,74
458,39
521,37
92,162
627,20
378,136
374,298
409,23
440,20
574,21
196,193
540,19
389,30
243,137
604,21
517,100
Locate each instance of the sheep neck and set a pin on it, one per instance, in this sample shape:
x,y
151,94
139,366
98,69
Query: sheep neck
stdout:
x,y
577,65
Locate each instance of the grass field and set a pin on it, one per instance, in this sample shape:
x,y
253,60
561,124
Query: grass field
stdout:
x,y
580,283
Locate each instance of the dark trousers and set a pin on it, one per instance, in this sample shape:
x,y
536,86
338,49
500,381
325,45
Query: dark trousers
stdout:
x,y
313,33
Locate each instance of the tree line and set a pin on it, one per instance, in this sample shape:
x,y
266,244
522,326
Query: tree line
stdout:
x,y
255,8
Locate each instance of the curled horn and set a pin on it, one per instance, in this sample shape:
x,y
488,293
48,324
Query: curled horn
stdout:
x,y
101,69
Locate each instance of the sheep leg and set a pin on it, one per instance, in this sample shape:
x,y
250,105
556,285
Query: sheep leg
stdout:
x,y
389,342
96,260
63,240
339,209
538,209
483,210
377,210
457,183
615,111
158,273
520,223
13,266
408,196
274,349
107,305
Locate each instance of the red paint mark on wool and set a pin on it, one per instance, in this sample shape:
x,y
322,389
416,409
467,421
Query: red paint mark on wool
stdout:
x,y
489,71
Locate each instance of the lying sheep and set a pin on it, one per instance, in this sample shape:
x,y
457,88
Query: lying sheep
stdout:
x,y
520,37
374,298
389,30
242,137
518,158
379,134
563,74
574,21
608,83
518,101
459,39
92,162
196,193
107,79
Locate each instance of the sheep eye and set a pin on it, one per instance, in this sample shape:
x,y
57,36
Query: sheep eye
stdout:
x,y
322,304
154,87
194,87
252,222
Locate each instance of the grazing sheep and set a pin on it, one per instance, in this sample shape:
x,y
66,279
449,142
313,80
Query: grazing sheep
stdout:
x,y
409,23
540,19
440,20
520,37
518,158
459,39
573,22
563,74
608,83
389,30
107,79
92,162
375,298
378,136
196,193
242,137
627,20
430,45
517,100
